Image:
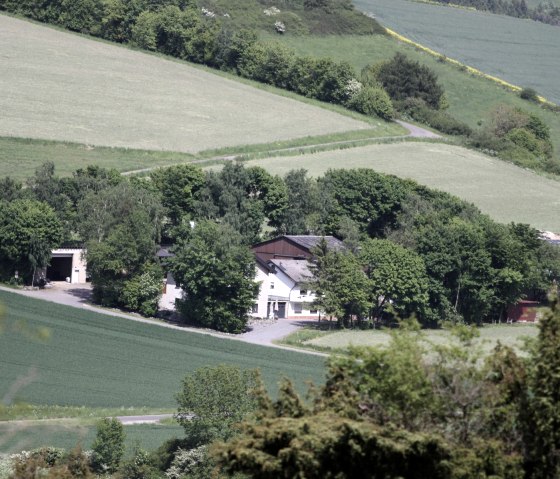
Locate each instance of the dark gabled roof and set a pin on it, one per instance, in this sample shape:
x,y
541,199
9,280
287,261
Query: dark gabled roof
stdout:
x,y
296,269
309,242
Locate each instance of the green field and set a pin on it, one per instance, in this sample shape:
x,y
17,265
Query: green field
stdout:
x,y
504,191
511,335
66,434
471,97
62,86
19,157
103,361
522,52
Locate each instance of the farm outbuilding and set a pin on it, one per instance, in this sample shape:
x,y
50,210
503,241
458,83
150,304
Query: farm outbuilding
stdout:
x,y
523,311
67,264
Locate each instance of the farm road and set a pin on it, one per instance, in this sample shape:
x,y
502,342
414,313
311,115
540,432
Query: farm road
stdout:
x,y
413,132
78,296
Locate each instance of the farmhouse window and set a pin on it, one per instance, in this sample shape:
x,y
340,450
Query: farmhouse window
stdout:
x,y
255,308
297,308
272,285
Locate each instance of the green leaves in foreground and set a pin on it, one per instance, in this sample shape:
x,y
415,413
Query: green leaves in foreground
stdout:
x,y
400,412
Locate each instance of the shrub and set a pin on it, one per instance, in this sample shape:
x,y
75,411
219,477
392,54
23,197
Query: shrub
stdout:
x,y
372,101
108,446
142,293
529,94
403,78
440,120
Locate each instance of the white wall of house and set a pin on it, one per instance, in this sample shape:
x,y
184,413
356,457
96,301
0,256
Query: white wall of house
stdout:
x,y
171,292
260,307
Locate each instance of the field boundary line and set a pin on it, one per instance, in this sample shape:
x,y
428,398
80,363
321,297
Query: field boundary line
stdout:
x,y
414,133
474,71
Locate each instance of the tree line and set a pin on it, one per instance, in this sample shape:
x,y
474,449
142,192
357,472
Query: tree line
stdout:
x,y
545,12
410,249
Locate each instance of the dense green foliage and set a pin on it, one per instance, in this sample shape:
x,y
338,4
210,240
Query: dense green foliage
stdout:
x,y
400,411
121,226
216,272
404,78
108,446
544,12
29,230
213,399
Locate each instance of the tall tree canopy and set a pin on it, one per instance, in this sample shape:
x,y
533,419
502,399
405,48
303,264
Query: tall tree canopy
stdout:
x,y
216,272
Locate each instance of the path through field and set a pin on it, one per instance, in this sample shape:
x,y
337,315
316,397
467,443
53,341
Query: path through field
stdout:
x,y
62,86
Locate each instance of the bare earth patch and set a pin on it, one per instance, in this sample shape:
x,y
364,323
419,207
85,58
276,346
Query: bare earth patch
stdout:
x,y
61,86
502,190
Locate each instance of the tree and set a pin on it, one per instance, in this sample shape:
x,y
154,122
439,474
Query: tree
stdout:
x,y
213,399
369,198
178,186
372,101
398,277
216,273
29,231
542,421
234,196
403,78
121,225
300,203
108,445
340,285
384,413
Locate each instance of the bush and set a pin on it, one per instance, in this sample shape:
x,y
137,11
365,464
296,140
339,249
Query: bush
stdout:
x,y
529,94
108,446
142,293
403,78
372,101
440,120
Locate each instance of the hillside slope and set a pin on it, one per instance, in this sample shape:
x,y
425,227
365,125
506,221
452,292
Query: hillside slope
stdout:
x,y
522,52
61,86
503,191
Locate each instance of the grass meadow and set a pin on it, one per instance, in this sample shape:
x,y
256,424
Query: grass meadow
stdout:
x,y
19,157
94,360
16,437
511,335
522,52
62,86
502,190
471,97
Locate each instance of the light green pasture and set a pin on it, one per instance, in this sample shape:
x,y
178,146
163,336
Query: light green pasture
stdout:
x,y
502,190
510,335
61,86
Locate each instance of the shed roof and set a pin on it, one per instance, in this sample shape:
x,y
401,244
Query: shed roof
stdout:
x,y
309,242
296,269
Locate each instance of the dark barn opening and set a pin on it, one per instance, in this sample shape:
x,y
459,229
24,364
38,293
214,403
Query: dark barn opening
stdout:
x,y
60,268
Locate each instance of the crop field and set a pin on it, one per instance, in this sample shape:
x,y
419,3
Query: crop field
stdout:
x,y
16,437
523,52
61,86
100,361
505,192
471,97
509,335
